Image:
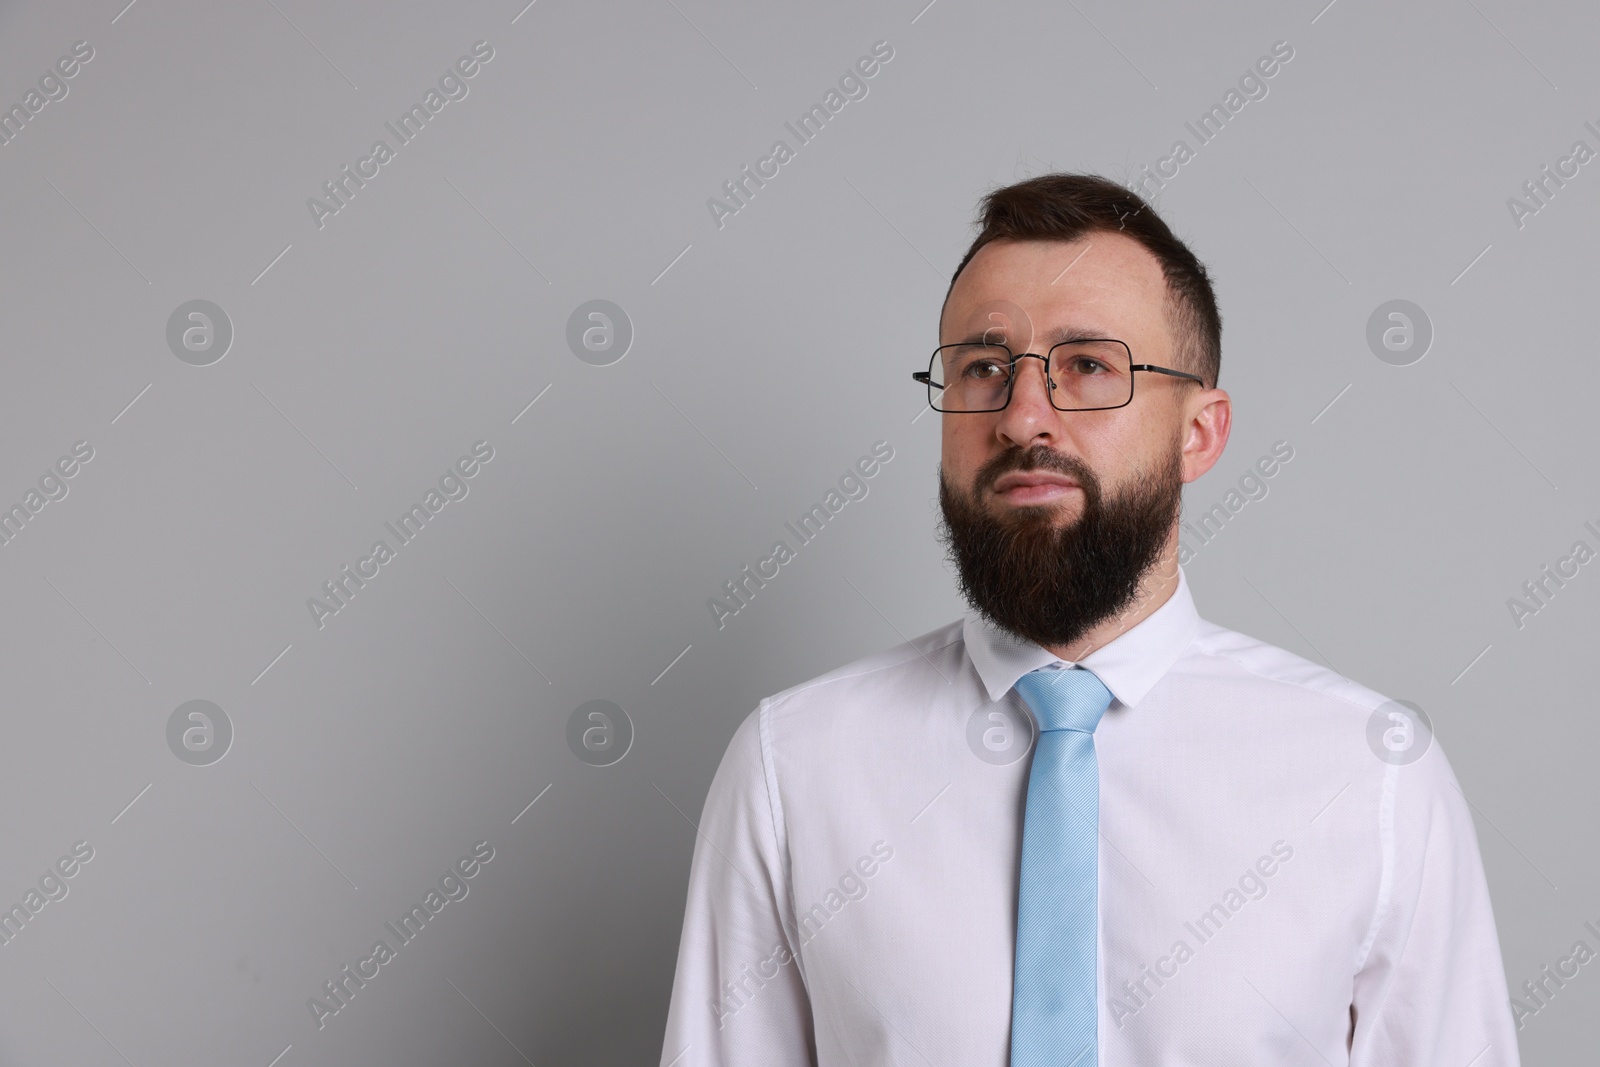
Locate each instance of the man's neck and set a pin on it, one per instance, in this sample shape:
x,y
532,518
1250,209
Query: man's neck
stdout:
x,y
1155,589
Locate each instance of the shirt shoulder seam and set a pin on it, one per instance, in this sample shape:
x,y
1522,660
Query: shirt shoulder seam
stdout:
x,y
1380,909
1204,648
769,773
783,697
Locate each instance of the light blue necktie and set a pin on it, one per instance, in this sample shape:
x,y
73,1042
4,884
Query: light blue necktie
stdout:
x,y
1053,1002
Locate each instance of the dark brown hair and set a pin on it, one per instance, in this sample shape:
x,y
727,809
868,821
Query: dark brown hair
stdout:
x,y
1065,207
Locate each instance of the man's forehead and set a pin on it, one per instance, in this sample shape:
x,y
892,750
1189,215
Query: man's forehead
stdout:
x,y
1016,327
1097,261
1080,286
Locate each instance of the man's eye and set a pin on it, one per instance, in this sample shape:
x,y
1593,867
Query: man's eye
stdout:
x,y
985,370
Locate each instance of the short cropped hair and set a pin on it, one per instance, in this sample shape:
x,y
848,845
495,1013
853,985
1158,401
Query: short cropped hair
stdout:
x,y
1065,207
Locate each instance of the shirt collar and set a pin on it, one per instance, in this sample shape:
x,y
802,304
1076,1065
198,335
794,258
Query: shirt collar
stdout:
x,y
1130,665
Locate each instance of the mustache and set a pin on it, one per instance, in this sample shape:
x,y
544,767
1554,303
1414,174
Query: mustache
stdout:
x,y
1038,457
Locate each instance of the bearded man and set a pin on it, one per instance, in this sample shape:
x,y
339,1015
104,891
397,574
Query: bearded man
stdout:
x,y
1082,825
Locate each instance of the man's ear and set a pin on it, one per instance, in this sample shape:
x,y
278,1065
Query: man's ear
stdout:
x,y
1208,419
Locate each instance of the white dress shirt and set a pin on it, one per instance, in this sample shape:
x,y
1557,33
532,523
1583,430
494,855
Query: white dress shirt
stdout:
x,y
1271,891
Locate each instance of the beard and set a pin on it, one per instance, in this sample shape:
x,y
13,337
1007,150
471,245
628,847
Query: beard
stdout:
x,y
1052,585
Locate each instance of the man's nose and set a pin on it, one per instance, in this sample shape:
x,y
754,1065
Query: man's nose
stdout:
x,y
1028,376
1030,413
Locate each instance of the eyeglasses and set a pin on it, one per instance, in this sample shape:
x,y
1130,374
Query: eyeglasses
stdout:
x,y
1091,374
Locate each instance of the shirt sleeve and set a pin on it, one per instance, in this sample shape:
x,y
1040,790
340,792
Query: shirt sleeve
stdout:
x,y
1431,990
738,994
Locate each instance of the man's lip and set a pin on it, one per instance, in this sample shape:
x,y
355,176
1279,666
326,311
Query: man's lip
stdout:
x,y
1019,479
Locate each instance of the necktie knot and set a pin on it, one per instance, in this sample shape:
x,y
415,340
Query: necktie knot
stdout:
x,y
1065,699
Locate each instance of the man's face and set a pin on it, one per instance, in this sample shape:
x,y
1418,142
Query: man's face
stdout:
x,y
1053,517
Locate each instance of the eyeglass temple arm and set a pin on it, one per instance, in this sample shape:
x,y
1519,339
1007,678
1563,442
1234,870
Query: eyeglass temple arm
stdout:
x,y
1168,370
925,378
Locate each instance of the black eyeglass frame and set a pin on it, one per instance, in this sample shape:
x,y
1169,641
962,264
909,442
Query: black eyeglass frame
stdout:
x,y
925,377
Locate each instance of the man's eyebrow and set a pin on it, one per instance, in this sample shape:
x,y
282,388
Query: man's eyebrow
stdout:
x,y
1066,334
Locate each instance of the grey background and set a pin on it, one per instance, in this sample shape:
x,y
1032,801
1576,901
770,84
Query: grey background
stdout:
x,y
767,356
